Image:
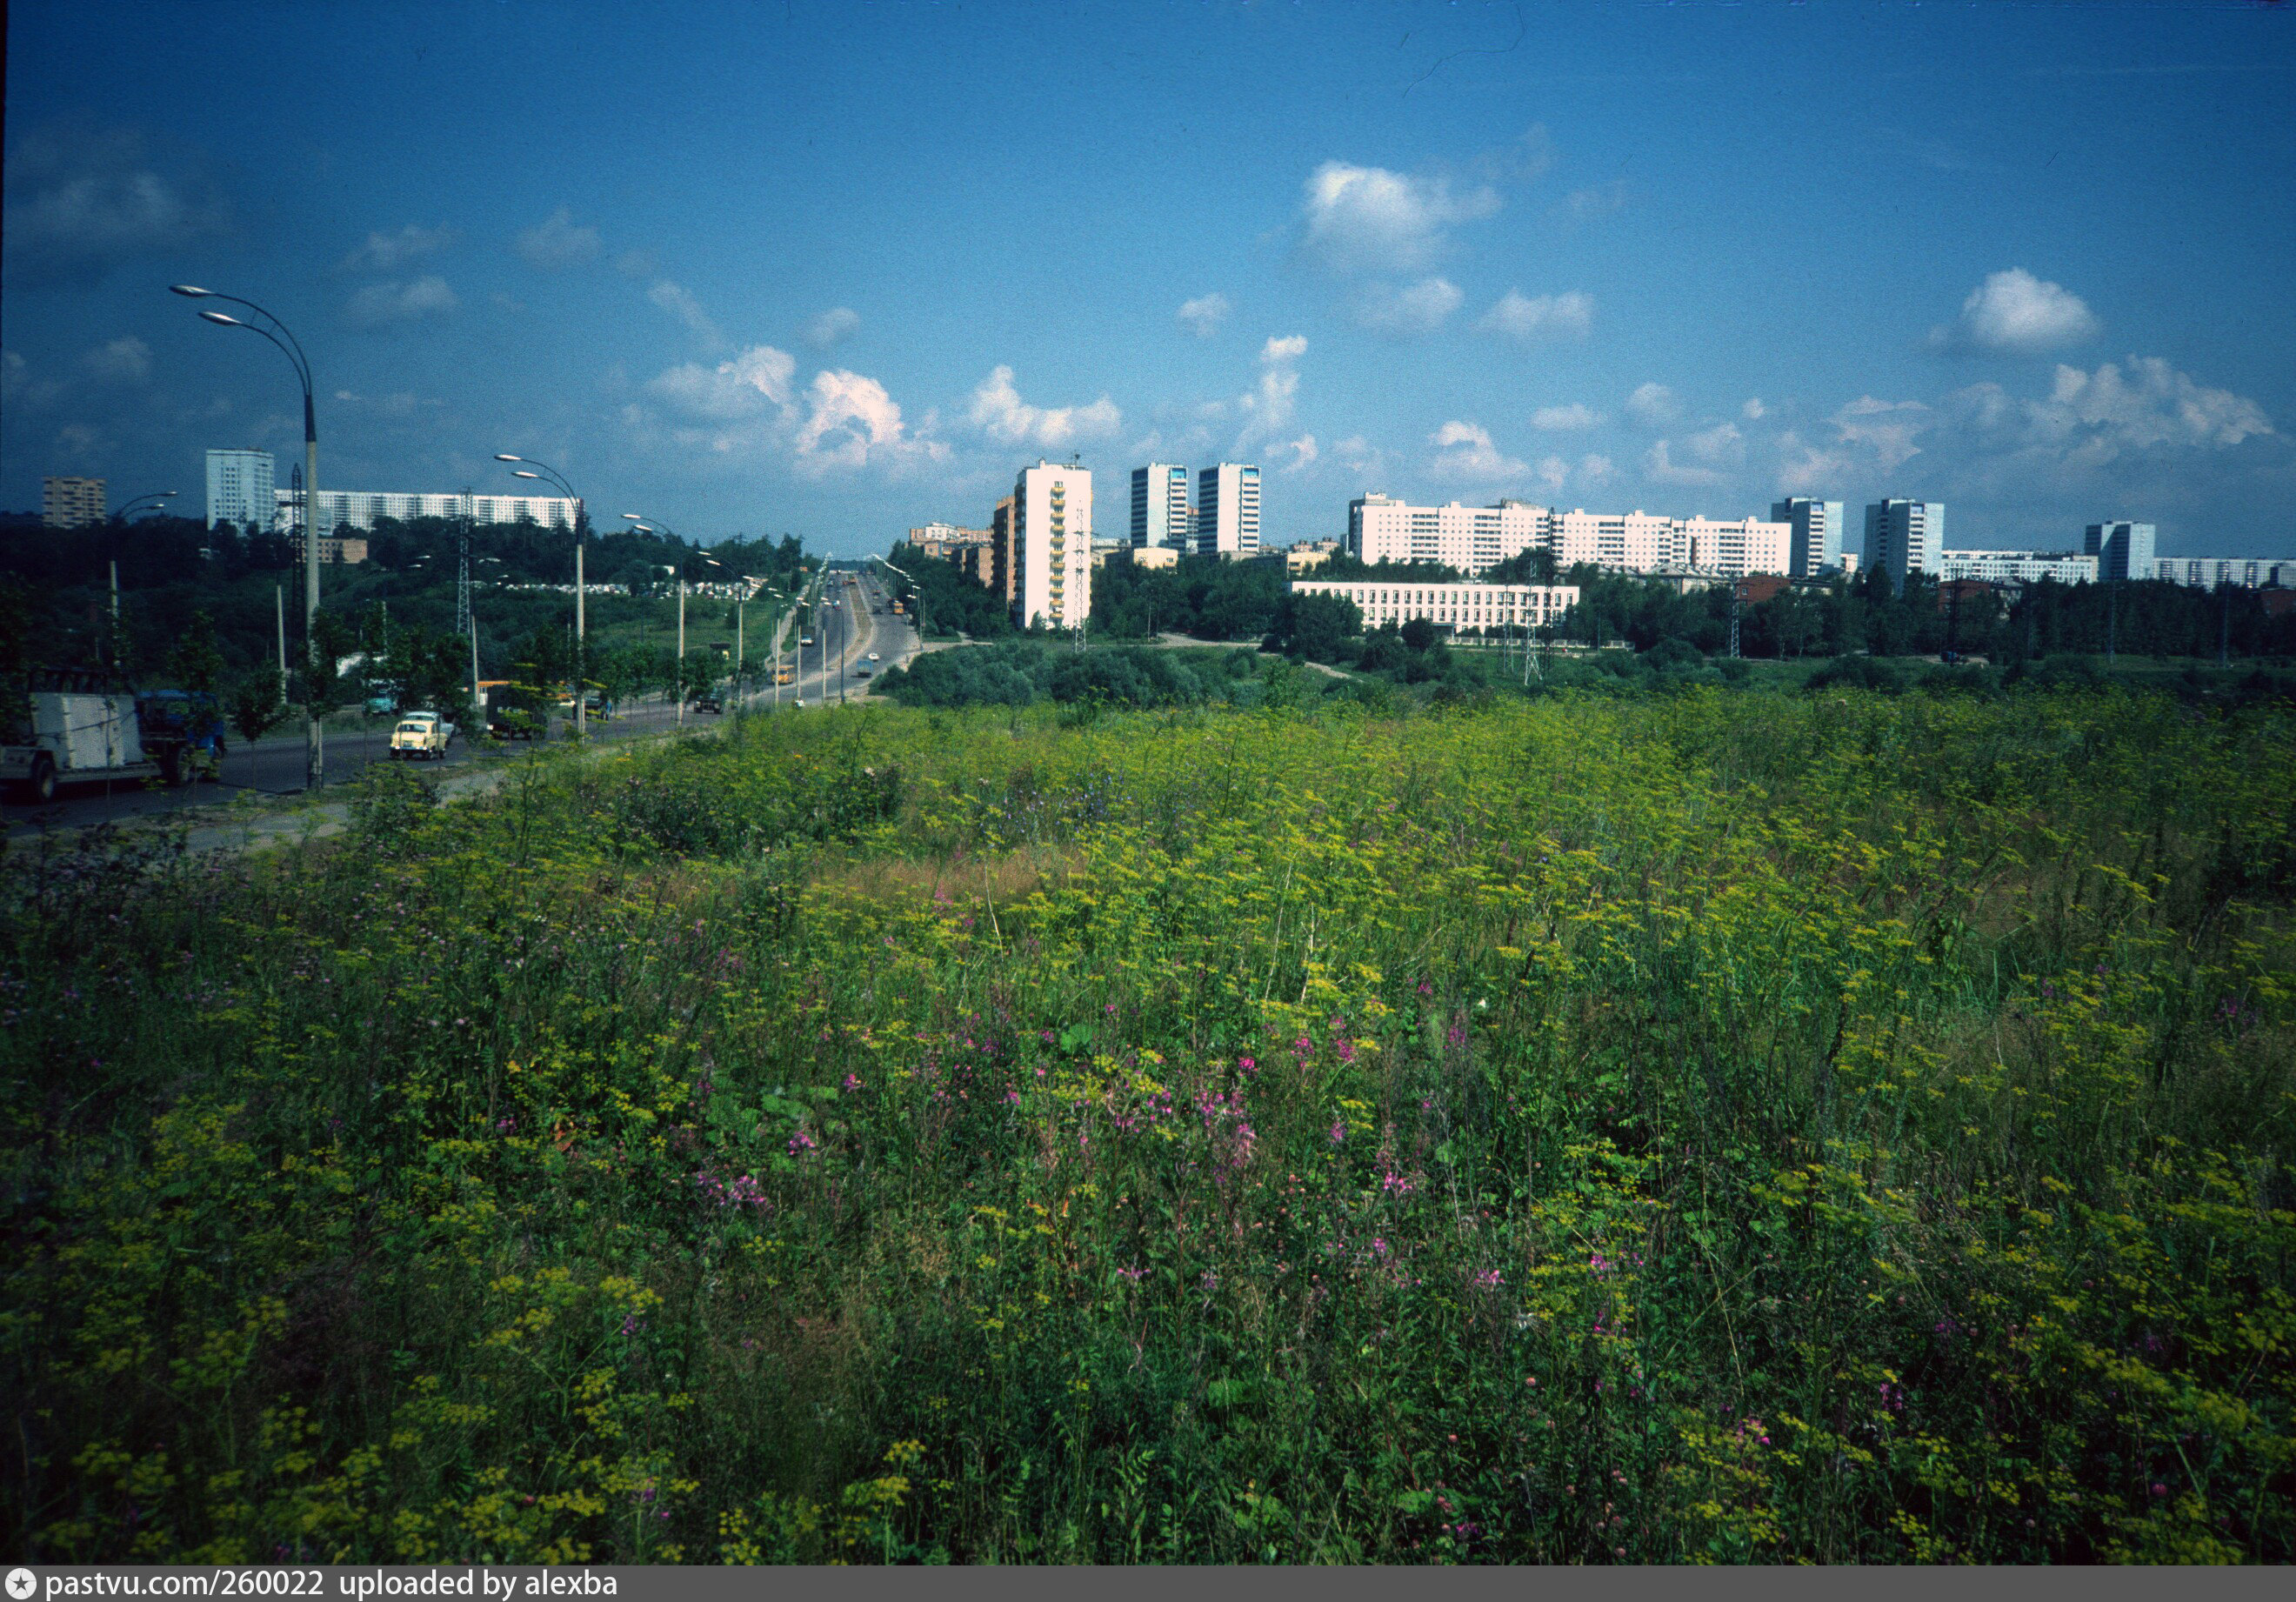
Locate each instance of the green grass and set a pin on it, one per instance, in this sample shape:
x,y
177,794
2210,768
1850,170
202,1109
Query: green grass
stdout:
x,y
1688,1127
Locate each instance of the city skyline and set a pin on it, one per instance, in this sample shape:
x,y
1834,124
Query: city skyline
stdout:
x,y
773,273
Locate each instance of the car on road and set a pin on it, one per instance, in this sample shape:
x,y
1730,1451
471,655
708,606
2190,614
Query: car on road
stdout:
x,y
872,656
862,671
422,736
707,702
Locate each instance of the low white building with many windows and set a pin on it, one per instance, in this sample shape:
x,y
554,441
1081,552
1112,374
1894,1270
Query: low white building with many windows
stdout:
x,y
2216,572
1462,608
2018,567
361,510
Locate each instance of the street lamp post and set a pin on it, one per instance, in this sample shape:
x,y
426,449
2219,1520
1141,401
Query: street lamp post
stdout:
x,y
315,758
543,472
137,505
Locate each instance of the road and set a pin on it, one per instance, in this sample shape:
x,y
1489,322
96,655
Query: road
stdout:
x,y
274,766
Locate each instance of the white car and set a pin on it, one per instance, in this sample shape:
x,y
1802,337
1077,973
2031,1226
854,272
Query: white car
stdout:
x,y
872,656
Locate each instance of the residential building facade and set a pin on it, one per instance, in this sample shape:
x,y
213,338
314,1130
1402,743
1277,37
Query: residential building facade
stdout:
x,y
67,503
361,510
2018,567
1227,510
945,540
2123,550
243,489
1905,537
2217,572
1001,570
1815,542
1464,608
1162,517
1473,539
1051,547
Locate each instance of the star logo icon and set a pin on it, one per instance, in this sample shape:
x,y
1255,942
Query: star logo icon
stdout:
x,y
22,1585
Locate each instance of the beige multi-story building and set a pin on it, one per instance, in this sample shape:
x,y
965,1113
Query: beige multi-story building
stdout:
x,y
1462,608
945,540
1051,547
72,503
999,573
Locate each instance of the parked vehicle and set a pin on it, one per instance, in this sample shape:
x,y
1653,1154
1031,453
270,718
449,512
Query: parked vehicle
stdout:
x,y
707,702
515,711
84,727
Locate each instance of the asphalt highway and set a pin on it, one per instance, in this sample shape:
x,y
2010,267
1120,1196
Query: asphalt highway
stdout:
x,y
844,633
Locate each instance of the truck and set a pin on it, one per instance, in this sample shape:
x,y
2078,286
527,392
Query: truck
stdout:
x,y
421,736
77,728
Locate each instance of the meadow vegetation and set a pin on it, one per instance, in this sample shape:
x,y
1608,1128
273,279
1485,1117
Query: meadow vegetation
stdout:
x,y
1701,1126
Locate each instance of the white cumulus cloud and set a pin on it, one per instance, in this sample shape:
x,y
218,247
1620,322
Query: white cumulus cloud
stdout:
x,y
1202,315
839,322
1552,472
1886,428
1721,445
852,422
1358,219
1414,310
1464,450
380,304
1659,465
1528,317
126,361
2016,313
1753,409
758,379
997,411
1653,404
2150,404
557,243
1559,418
679,302
1290,347
388,252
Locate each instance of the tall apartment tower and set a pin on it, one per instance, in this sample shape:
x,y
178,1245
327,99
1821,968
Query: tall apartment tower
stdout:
x,y
1815,544
72,503
1160,506
1052,546
1905,537
2123,551
1227,510
241,488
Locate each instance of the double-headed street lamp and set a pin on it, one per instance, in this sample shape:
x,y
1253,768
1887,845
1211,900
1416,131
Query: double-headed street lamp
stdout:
x,y
543,472
277,333
137,504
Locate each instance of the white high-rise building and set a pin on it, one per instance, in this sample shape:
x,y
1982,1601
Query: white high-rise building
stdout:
x,y
1815,544
1052,546
1227,510
1162,517
2123,551
241,489
1905,537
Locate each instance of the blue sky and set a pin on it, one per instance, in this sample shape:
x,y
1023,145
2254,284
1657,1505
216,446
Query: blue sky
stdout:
x,y
838,270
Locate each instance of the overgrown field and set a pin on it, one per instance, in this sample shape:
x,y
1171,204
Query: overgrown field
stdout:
x,y
1846,1128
